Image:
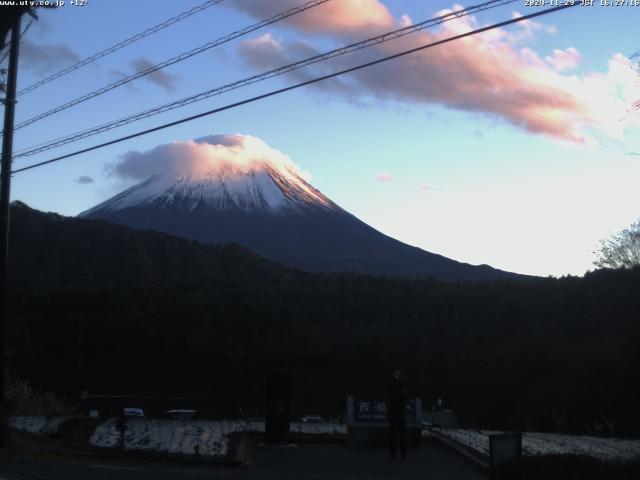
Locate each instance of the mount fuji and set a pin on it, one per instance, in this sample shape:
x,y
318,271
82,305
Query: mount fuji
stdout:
x,y
232,189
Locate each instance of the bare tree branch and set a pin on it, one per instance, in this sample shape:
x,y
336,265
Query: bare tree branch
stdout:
x,y
622,250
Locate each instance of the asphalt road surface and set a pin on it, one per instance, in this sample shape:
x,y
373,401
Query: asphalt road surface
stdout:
x,y
317,462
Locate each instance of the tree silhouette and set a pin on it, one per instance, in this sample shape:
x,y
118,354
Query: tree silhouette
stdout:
x,y
622,250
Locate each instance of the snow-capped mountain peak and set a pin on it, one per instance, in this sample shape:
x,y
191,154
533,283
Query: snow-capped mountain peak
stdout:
x,y
268,188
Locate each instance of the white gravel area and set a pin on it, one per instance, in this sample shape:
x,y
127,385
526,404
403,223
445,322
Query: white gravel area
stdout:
x,y
207,438
40,425
319,428
610,449
190,437
210,438
297,427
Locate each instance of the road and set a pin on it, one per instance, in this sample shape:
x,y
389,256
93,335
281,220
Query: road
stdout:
x,y
317,462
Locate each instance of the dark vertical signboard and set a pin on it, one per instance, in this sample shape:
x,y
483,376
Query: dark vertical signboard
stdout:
x,y
505,451
278,408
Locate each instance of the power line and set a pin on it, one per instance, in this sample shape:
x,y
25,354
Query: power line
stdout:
x,y
298,85
122,44
176,59
259,77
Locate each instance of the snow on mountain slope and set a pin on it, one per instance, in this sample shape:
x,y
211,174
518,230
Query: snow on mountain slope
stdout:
x,y
265,187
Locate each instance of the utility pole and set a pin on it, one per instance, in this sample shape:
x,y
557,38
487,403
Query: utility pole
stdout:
x,y
5,197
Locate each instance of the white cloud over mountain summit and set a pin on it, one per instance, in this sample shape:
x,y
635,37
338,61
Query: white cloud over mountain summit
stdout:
x,y
202,157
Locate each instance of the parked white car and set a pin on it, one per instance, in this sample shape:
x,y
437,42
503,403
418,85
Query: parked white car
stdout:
x,y
132,412
313,419
181,414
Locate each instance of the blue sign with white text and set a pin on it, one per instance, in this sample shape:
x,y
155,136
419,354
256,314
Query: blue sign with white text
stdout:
x,y
375,411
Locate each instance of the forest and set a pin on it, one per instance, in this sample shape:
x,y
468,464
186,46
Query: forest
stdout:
x,y
102,307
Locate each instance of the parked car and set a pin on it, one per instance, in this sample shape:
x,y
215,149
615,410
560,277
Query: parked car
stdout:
x,y
183,414
132,412
313,419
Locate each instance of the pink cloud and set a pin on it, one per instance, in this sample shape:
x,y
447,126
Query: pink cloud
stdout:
x,y
489,74
265,52
202,157
529,28
384,177
425,188
262,53
336,17
562,60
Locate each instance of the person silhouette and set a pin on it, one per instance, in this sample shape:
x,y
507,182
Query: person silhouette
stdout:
x,y
398,396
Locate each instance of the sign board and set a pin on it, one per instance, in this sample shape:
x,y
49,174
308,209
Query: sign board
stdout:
x,y
375,411
368,411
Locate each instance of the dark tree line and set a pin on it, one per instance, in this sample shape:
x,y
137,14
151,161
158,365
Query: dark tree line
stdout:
x,y
551,354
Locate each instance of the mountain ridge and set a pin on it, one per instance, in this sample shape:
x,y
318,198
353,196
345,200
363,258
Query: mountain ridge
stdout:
x,y
48,250
267,206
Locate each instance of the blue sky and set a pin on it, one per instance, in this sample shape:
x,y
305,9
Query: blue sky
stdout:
x,y
511,149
